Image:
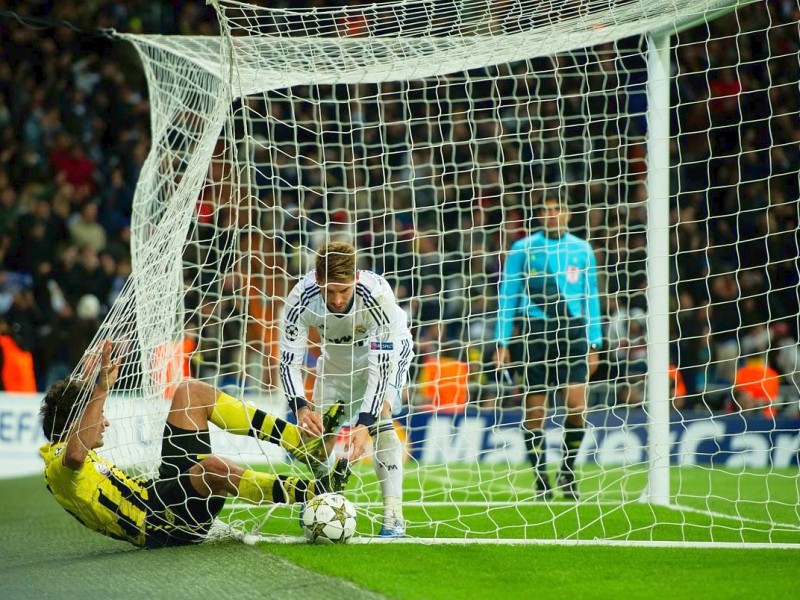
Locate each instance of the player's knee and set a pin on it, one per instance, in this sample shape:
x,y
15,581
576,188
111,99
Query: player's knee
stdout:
x,y
576,409
192,393
182,394
216,473
536,401
214,465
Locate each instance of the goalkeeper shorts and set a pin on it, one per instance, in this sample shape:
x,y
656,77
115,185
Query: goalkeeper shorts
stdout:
x,y
553,357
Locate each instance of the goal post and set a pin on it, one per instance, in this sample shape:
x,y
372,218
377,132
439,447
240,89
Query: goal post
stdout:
x,y
658,162
423,132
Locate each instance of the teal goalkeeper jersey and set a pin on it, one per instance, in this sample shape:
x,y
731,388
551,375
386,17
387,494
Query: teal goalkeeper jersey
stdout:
x,y
544,278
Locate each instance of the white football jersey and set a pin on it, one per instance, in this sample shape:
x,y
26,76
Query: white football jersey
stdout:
x,y
370,338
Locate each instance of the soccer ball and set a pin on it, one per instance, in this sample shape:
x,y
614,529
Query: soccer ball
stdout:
x,y
329,519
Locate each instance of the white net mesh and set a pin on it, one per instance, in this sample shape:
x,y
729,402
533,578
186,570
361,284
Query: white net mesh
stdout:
x,y
417,131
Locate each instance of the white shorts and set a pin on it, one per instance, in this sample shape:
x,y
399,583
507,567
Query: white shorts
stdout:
x,y
349,389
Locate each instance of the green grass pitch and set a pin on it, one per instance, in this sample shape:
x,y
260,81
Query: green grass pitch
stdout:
x,y
47,554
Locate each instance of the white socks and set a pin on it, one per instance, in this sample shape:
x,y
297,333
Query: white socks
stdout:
x,y
388,463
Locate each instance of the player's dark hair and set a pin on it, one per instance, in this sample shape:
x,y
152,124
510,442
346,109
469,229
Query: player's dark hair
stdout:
x,y
57,408
336,262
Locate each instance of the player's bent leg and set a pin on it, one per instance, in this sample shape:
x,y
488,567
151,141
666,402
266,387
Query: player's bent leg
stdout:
x,y
314,453
215,476
182,508
191,403
239,418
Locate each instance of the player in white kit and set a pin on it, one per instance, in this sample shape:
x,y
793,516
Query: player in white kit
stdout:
x,y
366,354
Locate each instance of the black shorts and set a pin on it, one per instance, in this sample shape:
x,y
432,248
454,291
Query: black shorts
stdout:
x,y
178,514
551,354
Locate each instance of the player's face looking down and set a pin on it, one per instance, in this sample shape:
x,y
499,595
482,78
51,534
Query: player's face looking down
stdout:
x,y
555,217
338,294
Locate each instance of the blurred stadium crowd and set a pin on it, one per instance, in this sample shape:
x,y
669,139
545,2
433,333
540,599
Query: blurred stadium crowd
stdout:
x,y
75,129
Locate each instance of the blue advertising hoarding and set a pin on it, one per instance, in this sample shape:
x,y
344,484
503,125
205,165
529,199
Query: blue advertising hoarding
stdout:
x,y
614,437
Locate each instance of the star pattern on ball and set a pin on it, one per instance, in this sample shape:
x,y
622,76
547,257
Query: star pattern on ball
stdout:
x,y
318,529
340,514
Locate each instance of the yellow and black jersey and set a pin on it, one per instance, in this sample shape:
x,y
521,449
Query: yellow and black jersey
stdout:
x,y
99,495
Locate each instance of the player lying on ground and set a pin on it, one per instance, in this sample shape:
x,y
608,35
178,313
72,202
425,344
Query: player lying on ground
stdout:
x,y
179,506
366,353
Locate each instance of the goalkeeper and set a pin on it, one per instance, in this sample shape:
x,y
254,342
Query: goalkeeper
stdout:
x,y
549,286
179,506
366,353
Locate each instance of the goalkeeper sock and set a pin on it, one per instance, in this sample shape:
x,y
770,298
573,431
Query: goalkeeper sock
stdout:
x,y
388,465
534,439
261,488
243,419
573,436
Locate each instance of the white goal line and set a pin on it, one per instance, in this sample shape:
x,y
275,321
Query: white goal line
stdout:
x,y
493,504
360,540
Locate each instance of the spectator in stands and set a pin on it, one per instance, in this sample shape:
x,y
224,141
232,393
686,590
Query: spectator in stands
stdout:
x,y
756,387
69,160
677,388
787,354
16,362
10,210
444,380
85,231
631,360
725,321
38,234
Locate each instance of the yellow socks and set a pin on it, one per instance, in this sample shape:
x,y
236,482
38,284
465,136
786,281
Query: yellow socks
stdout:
x,y
260,488
242,419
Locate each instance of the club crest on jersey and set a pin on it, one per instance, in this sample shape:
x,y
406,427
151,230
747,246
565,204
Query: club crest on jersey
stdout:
x,y
361,328
383,346
573,274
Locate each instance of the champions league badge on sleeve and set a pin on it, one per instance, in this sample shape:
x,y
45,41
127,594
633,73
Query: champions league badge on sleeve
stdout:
x,y
381,346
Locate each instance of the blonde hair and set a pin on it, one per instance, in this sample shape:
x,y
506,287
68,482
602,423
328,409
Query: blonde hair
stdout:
x,y
336,262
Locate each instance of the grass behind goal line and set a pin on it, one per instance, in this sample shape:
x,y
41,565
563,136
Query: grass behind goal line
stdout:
x,y
46,554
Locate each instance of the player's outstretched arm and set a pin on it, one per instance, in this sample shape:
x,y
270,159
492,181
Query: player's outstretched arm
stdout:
x,y
90,424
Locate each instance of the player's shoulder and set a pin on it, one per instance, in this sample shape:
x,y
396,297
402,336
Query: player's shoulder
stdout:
x,y
307,284
51,450
373,288
371,282
529,241
578,241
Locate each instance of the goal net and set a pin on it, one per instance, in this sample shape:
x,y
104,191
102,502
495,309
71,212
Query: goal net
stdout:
x,y
428,134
